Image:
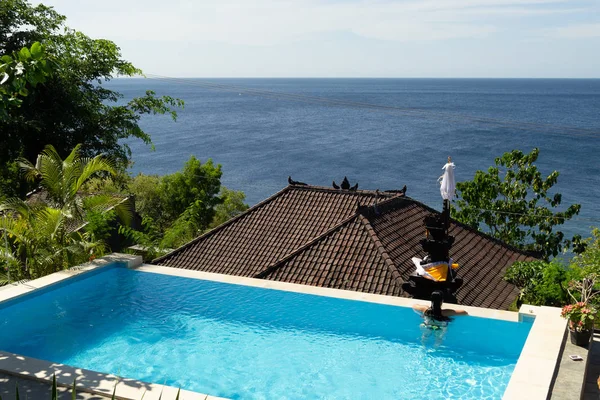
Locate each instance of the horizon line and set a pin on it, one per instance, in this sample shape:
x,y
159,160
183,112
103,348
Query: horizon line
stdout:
x,y
156,76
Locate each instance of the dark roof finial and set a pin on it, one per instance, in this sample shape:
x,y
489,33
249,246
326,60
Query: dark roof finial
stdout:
x,y
345,184
293,182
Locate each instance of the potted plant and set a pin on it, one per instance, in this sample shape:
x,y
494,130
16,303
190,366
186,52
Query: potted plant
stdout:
x,y
581,322
581,314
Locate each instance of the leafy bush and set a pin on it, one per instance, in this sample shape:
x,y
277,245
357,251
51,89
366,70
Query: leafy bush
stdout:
x,y
556,284
183,205
540,282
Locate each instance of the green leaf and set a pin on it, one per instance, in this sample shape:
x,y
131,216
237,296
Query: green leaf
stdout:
x,y
36,50
16,391
178,391
24,54
74,390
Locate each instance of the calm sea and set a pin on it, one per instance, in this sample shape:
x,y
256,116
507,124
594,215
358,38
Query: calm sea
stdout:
x,y
261,138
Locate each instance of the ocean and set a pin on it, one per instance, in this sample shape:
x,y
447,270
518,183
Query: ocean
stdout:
x,y
381,133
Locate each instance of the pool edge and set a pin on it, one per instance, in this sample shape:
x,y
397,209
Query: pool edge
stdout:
x,y
534,372
91,381
13,291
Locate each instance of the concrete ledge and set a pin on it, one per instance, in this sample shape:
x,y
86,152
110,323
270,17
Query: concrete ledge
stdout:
x,y
16,290
90,381
533,375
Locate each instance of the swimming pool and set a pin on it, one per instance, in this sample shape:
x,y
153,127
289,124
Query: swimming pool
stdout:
x,y
244,342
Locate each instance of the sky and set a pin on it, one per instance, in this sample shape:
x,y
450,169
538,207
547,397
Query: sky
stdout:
x,y
348,38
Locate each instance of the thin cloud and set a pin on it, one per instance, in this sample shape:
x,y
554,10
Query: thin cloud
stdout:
x,y
271,22
576,31
348,37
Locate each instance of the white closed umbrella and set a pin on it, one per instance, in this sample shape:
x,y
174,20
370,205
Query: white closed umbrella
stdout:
x,y
448,187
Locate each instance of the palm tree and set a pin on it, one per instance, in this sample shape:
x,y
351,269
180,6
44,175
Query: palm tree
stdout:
x,y
62,180
38,241
45,236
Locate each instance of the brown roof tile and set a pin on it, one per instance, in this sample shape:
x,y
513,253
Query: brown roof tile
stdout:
x,y
343,239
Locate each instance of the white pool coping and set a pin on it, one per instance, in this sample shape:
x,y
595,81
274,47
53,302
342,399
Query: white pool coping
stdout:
x,y
531,378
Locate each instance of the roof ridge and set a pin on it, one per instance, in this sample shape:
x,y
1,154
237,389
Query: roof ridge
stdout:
x,y
276,264
224,224
381,248
364,192
384,205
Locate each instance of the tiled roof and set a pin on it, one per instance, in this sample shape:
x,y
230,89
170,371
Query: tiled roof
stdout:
x,y
343,239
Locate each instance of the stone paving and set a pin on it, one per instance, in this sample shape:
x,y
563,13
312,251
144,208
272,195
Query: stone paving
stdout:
x,y
591,391
34,390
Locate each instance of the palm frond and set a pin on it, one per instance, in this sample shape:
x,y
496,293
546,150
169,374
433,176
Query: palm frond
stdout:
x,y
125,211
74,155
93,166
30,172
17,206
4,278
100,202
50,221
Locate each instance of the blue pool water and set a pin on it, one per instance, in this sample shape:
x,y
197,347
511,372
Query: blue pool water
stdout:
x,y
249,343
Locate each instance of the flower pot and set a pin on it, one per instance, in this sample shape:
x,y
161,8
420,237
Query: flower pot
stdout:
x,y
580,338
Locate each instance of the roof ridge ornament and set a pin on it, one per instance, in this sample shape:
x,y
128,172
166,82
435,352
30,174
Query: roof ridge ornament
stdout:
x,y
345,185
295,183
395,191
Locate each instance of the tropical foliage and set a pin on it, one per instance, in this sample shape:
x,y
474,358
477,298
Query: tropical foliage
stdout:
x,y
540,282
42,235
178,207
63,102
20,71
72,216
512,202
557,283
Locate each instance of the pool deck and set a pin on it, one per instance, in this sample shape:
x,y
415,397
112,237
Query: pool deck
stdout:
x,y
531,379
30,389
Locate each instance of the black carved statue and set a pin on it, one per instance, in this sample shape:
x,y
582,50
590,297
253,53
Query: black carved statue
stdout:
x,y
437,245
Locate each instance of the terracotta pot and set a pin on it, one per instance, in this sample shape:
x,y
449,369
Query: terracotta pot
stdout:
x,y
581,338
